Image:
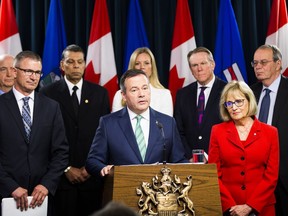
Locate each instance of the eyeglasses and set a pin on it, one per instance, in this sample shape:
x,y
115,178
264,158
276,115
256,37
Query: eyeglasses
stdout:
x,y
29,72
261,62
238,103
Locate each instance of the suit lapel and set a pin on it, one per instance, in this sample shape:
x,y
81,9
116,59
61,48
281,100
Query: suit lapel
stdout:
x,y
211,102
15,112
154,134
65,98
280,103
125,125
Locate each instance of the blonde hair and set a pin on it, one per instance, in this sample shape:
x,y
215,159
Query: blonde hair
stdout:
x,y
154,80
234,87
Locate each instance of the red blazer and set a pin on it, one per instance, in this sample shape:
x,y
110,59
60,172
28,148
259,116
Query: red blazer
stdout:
x,y
247,171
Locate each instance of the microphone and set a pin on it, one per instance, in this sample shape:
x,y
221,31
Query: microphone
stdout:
x,y
160,126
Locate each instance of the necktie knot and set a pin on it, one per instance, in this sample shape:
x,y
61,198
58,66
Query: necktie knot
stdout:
x,y
139,117
267,91
75,88
26,99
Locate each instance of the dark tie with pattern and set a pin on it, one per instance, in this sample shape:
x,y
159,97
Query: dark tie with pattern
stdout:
x,y
265,105
201,105
75,100
26,116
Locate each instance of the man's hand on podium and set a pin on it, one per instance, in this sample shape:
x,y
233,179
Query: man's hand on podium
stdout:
x,y
106,170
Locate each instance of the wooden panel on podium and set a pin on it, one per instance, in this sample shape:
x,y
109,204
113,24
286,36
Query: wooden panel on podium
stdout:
x,y
122,183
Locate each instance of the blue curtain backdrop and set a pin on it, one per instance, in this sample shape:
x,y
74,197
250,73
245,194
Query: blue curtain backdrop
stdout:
x,y
158,15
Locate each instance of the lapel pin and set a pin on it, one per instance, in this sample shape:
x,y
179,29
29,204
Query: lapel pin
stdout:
x,y
86,101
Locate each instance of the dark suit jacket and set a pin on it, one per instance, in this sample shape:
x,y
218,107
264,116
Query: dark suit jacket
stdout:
x,y
280,121
115,142
248,171
41,161
79,130
186,116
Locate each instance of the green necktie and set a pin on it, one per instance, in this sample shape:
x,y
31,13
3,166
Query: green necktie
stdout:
x,y
140,137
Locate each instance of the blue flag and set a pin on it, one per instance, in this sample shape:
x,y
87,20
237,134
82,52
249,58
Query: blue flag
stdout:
x,y
55,43
229,57
135,35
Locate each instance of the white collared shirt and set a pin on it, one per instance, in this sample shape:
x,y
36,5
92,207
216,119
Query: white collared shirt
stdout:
x,y
71,85
273,94
19,98
145,123
207,90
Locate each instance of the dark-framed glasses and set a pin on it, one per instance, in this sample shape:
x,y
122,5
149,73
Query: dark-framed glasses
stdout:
x,y
238,103
29,72
263,62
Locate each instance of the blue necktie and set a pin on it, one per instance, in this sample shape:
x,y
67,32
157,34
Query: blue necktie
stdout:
x,y
140,137
201,105
265,105
26,118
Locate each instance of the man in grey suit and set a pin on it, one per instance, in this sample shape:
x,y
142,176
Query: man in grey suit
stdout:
x,y
267,64
134,134
33,147
76,192
195,127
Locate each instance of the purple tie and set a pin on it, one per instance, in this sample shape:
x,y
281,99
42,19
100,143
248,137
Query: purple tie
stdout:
x,y
201,105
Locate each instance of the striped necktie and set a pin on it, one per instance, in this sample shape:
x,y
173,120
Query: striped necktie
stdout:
x,y
140,137
26,118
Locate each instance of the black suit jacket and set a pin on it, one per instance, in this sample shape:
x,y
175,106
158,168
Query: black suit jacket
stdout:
x,y
43,159
79,130
280,121
192,135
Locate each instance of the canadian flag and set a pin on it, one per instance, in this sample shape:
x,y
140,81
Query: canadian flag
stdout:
x,y
101,67
9,36
278,31
183,42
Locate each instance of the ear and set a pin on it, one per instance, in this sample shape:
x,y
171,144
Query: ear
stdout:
x,y
15,73
61,65
123,96
278,65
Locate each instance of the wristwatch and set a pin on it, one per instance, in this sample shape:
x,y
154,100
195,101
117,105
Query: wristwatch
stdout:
x,y
67,169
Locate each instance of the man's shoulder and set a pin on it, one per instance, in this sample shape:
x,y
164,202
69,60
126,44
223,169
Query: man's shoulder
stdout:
x,y
52,87
94,86
220,82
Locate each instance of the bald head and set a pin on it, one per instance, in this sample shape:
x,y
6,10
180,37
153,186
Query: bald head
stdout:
x,y
6,72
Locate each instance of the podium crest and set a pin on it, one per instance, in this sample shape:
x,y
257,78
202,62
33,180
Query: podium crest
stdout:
x,y
164,196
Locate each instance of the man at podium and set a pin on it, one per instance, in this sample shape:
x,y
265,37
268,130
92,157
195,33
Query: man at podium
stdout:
x,y
137,134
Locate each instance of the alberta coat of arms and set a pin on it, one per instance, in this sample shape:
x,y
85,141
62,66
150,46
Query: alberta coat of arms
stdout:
x,y
162,197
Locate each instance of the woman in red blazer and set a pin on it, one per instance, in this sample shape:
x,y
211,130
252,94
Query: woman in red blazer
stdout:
x,y
246,152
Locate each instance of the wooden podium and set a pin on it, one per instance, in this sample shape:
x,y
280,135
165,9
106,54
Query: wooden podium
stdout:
x,y
123,181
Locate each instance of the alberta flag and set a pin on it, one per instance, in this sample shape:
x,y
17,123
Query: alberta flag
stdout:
x,y
183,42
278,31
135,34
55,43
229,57
9,36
